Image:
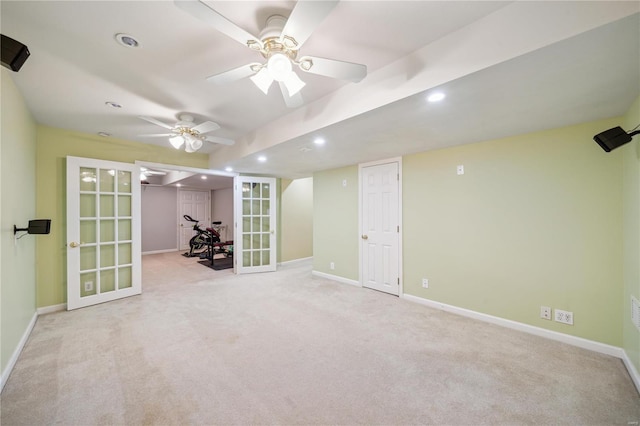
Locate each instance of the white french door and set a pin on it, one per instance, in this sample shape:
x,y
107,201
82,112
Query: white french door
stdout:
x,y
103,231
255,212
196,204
380,227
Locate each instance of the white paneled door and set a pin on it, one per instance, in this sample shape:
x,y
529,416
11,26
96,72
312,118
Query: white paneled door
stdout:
x,y
196,204
255,237
380,227
103,231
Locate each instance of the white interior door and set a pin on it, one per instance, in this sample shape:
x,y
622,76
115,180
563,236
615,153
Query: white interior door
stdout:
x,y
380,227
103,231
196,204
255,237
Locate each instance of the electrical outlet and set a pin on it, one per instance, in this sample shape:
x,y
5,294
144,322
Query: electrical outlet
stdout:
x,y
88,286
332,266
564,317
545,312
425,283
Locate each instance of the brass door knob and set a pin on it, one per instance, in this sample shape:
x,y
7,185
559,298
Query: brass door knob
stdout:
x,y
73,244
365,237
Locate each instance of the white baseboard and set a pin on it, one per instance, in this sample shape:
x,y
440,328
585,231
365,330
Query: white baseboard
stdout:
x,y
633,372
336,278
52,308
553,335
159,251
14,358
541,332
294,261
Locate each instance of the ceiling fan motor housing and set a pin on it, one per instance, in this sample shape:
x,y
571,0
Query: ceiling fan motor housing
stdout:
x,y
273,28
271,41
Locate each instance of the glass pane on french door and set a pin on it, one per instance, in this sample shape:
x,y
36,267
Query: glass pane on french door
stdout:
x,y
103,231
255,246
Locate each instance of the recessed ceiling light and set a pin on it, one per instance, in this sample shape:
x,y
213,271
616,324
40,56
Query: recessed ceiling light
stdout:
x,y
178,185
262,159
436,97
228,169
203,177
104,134
319,141
127,40
113,104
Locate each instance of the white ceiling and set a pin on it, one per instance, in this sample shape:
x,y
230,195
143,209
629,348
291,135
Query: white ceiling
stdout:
x,y
507,68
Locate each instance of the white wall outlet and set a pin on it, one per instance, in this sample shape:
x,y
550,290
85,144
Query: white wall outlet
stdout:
x,y
564,317
88,286
425,283
545,312
460,169
332,266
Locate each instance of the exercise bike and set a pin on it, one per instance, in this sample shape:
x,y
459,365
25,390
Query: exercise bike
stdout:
x,y
203,241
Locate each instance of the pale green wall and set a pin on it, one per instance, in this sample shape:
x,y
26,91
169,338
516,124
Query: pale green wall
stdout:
x,y
296,216
53,146
631,232
18,206
535,220
335,222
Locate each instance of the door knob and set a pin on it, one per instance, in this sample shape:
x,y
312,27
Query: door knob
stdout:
x,y
73,244
365,237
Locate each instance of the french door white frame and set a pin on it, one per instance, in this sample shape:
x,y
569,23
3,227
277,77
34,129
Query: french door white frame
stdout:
x,y
74,243
397,160
240,214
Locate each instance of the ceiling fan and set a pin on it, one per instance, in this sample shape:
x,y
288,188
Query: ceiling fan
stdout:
x,y
279,43
186,132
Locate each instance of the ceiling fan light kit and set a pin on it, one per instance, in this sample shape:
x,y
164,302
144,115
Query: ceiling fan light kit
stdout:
x,y
176,141
278,43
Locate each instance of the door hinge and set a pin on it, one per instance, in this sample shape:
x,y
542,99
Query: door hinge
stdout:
x,y
398,280
398,228
398,176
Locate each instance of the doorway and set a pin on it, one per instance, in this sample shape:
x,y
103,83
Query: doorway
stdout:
x,y
162,208
380,224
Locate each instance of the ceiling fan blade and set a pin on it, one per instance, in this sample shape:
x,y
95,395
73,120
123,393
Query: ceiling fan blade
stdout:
x,y
207,126
336,69
159,135
294,101
222,141
156,122
305,17
206,14
234,74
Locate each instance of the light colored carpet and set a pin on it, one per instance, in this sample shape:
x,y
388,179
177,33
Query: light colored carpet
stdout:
x,y
207,347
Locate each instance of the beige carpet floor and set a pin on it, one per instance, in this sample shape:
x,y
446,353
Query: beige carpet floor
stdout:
x,y
207,347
